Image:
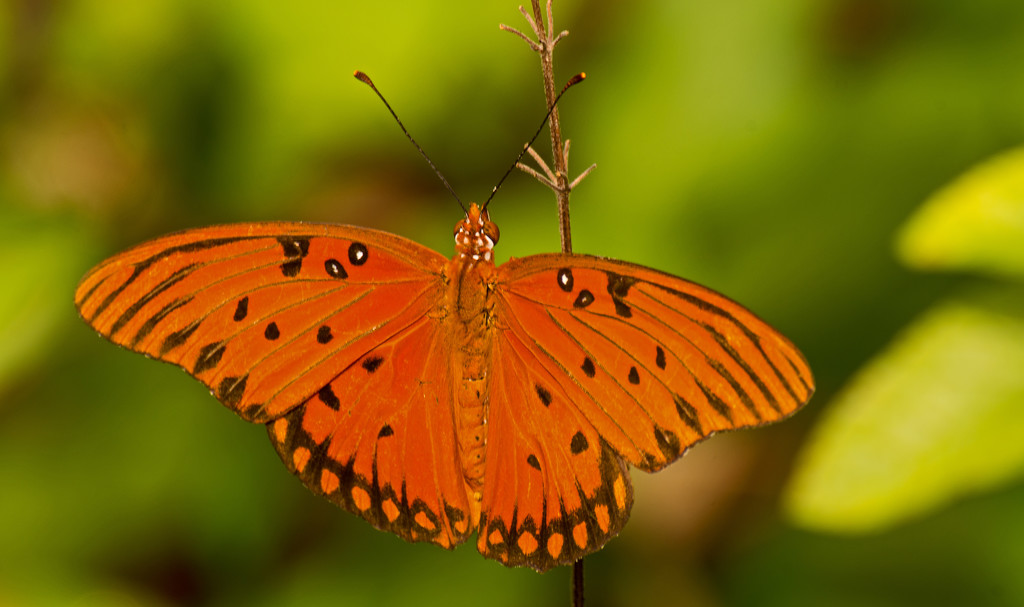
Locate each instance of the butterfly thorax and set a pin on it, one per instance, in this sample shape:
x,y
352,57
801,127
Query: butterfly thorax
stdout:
x,y
472,276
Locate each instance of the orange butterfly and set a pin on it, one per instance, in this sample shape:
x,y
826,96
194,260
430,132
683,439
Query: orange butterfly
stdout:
x,y
438,397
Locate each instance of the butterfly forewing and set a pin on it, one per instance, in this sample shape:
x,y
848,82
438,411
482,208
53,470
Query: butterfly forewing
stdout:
x,y
654,362
263,314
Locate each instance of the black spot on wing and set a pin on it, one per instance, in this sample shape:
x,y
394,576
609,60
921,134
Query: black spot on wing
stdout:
x,y
291,268
588,367
668,442
385,431
335,269
584,299
565,281
231,389
209,357
324,335
179,337
578,444
272,332
532,461
618,288
634,376
293,246
357,254
242,309
329,398
543,394
716,403
688,414
659,358
295,249
371,363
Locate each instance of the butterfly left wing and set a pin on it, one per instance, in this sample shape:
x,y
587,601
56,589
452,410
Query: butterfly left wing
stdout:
x,y
379,439
264,314
332,334
598,362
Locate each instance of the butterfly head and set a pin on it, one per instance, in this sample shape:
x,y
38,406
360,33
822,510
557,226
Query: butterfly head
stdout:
x,y
476,235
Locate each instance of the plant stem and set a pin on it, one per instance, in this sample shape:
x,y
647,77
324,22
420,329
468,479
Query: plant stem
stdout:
x,y
547,47
557,179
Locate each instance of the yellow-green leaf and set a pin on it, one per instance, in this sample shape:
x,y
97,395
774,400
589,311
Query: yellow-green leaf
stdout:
x,y
937,416
975,223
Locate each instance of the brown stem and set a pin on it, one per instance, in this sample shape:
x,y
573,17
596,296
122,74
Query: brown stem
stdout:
x,y
558,178
547,47
577,584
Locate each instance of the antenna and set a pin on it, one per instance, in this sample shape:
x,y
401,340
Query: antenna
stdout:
x,y
366,80
572,82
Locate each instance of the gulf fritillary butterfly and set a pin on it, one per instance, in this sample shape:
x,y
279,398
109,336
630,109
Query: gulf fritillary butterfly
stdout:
x,y
438,397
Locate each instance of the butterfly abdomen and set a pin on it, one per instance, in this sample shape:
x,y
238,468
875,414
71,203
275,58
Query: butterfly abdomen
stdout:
x,y
472,341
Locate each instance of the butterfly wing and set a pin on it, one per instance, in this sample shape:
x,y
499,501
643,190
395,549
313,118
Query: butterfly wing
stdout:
x,y
379,439
598,360
554,490
263,314
331,333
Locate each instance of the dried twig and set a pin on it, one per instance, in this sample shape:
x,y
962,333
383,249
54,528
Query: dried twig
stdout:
x,y
556,179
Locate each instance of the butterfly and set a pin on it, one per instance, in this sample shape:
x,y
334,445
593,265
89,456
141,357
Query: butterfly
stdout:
x,y
440,397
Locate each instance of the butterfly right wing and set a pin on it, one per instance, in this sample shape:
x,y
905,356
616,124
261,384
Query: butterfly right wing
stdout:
x,y
599,363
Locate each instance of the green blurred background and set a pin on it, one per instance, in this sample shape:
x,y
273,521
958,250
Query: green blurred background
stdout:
x,y
776,150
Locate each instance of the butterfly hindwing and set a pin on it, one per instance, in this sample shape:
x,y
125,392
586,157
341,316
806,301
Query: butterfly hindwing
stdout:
x,y
656,363
554,489
379,440
263,314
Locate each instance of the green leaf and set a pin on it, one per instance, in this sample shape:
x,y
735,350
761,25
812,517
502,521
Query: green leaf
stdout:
x,y
975,223
36,255
938,416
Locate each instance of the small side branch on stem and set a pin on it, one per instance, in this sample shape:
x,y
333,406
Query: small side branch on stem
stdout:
x,y
557,178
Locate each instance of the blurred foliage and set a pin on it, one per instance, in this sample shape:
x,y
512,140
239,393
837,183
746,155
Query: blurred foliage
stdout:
x,y
771,149
977,223
33,250
941,412
937,415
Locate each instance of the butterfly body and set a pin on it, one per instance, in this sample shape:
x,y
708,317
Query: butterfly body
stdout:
x,y
439,397
470,305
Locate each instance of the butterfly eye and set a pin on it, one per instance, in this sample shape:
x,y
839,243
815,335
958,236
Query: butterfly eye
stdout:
x,y
491,231
458,228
